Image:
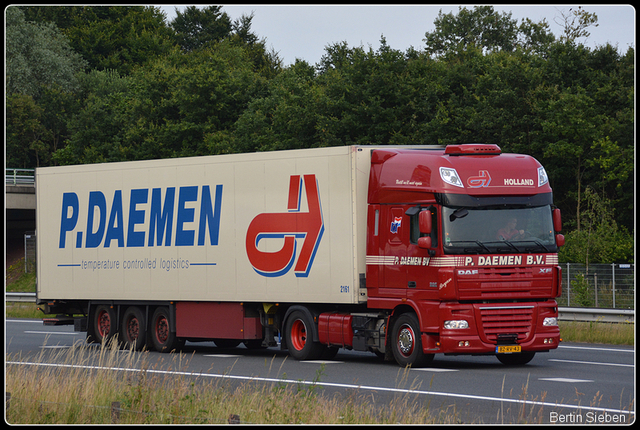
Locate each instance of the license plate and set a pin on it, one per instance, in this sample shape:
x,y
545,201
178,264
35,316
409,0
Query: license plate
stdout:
x,y
508,349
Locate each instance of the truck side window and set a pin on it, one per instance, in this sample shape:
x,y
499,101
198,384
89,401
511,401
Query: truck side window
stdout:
x,y
415,229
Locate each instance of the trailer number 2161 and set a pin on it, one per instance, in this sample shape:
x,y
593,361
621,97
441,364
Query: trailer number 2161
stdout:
x,y
344,288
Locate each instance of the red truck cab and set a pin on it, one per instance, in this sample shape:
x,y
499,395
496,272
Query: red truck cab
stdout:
x,y
462,250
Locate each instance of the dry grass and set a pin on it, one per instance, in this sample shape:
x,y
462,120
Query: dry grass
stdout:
x,y
598,332
83,392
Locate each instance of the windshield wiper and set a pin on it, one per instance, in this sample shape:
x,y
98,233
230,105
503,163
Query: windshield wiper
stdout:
x,y
506,242
537,242
477,242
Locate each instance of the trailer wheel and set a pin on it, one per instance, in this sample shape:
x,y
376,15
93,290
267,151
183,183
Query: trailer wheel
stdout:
x,y
516,359
104,323
134,328
406,342
299,337
162,339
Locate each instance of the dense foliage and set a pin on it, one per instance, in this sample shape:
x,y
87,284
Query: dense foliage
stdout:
x,y
103,84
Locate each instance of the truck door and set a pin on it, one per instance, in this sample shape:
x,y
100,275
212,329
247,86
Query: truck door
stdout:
x,y
395,227
421,276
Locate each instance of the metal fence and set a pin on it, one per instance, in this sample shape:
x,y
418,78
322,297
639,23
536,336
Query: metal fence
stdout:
x,y
19,176
598,286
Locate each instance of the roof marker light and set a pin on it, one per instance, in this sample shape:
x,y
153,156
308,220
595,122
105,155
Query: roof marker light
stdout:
x,y
542,176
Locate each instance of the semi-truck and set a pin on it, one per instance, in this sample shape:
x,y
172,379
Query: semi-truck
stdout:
x,y
402,251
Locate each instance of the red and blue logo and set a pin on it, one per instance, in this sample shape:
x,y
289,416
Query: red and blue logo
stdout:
x,y
290,226
481,181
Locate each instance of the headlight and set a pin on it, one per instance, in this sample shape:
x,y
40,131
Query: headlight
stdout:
x,y
450,176
550,321
455,324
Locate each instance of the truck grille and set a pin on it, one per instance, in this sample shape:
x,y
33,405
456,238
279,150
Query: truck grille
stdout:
x,y
506,320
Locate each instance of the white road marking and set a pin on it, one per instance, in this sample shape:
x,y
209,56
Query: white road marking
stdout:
x,y
328,384
54,332
564,380
596,349
592,362
435,369
223,355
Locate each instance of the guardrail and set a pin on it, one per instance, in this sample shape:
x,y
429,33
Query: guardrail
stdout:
x,y
20,297
597,314
20,176
564,314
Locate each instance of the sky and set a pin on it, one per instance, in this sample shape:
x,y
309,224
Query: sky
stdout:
x,y
303,31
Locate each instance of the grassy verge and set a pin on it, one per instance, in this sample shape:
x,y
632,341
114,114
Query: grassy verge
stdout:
x,y
99,395
597,332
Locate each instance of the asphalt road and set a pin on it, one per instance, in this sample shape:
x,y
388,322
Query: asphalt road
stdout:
x,y
577,383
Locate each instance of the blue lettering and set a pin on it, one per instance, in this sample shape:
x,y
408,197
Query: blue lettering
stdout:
x,y
185,237
162,217
115,217
136,238
208,217
96,200
68,222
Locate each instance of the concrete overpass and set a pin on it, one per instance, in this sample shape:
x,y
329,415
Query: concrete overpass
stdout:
x,y
20,203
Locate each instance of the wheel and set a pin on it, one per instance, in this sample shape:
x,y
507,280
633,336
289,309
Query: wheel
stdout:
x,y
406,343
104,323
299,338
134,329
162,338
518,359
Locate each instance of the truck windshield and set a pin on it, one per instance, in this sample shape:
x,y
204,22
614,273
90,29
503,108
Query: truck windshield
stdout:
x,y
504,230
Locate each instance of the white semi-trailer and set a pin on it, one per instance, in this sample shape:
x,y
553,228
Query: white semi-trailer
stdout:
x,y
371,248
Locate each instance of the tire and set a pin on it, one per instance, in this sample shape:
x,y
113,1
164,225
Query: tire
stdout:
x,y
104,323
406,342
299,337
162,338
134,329
518,359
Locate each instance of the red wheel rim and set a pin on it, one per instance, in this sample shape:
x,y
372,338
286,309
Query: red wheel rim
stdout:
x,y
162,329
133,328
406,340
298,334
104,324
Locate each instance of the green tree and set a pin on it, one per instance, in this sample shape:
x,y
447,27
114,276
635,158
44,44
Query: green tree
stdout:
x,y
38,55
575,23
25,133
600,240
486,29
196,27
110,37
166,109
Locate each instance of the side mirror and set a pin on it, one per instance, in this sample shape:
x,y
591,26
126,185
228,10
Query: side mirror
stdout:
x,y
557,220
559,240
424,222
424,242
